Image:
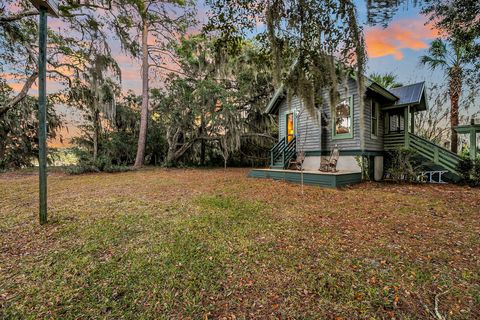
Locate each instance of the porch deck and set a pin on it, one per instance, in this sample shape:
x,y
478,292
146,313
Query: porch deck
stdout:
x,y
317,178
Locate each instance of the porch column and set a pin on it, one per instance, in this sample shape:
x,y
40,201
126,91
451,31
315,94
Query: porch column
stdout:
x,y
412,121
406,125
473,144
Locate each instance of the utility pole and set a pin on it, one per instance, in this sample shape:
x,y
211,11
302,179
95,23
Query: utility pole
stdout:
x,y
44,7
42,114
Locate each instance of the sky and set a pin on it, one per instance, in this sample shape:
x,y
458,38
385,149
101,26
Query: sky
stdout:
x,y
396,48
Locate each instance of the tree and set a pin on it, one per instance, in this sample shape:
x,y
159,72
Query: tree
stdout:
x,y
156,23
94,93
212,103
452,57
18,130
458,20
386,80
314,44
81,22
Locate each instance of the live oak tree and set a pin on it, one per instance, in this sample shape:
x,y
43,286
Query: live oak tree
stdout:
x,y
94,91
315,44
154,24
18,129
215,101
81,21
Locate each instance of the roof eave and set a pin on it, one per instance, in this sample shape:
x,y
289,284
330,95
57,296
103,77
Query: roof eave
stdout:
x,y
271,107
382,91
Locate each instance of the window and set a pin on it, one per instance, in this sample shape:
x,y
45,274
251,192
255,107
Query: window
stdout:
x,y
396,121
343,119
290,127
375,115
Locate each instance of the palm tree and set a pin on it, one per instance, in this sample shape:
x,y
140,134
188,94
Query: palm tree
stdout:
x,y
387,80
452,57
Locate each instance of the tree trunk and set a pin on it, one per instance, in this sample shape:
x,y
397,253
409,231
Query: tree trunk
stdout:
x,y
202,141
142,137
96,133
96,113
3,146
455,88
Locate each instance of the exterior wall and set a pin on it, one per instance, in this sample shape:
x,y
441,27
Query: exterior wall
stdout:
x,y
307,127
312,136
373,142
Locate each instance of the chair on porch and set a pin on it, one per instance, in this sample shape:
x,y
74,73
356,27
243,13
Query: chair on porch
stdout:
x,y
297,163
330,164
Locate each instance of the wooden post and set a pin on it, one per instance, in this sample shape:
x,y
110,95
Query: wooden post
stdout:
x,y
473,144
42,114
412,121
405,126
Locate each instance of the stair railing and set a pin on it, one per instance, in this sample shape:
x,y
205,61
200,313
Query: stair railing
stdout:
x,y
435,153
276,151
289,152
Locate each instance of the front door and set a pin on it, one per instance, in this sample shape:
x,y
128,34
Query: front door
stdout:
x,y
290,127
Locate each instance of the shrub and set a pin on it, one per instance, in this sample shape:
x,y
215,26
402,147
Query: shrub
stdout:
x,y
465,167
403,166
476,173
80,169
102,164
470,171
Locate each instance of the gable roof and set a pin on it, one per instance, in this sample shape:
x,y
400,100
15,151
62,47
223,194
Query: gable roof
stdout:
x,y
410,94
372,85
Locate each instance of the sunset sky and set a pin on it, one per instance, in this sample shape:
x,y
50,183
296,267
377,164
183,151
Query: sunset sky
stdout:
x,y
396,49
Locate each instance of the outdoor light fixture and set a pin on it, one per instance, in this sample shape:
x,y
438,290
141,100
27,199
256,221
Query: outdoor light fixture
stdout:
x,y
44,7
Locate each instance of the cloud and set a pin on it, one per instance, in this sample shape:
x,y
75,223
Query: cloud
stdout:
x,y
402,34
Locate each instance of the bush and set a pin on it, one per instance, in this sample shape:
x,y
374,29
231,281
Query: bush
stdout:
x,y
470,171
465,167
80,169
403,167
102,164
476,172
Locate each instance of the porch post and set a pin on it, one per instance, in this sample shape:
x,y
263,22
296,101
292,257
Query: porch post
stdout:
x,y
405,126
412,121
473,144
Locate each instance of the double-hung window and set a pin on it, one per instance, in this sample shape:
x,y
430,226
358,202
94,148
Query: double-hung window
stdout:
x,y
343,119
375,109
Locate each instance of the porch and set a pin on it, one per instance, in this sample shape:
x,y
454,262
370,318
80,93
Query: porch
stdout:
x,y
317,178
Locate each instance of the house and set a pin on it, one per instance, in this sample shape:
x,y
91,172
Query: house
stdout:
x,y
389,123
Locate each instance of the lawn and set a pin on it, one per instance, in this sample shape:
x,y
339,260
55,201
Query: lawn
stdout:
x,y
204,244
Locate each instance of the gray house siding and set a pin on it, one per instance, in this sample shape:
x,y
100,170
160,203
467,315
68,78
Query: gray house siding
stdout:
x,y
374,143
307,127
311,136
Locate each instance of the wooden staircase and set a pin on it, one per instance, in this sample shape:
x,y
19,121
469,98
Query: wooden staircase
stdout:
x,y
434,155
282,153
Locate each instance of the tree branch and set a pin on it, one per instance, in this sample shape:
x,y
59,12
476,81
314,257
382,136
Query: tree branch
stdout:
x,y
21,95
18,16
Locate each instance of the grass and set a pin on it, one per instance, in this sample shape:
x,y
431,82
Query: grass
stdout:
x,y
162,244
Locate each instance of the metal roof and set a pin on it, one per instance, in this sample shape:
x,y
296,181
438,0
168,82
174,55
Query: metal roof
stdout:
x,y
410,94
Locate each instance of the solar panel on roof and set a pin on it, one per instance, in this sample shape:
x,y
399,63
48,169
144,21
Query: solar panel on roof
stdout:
x,y
411,94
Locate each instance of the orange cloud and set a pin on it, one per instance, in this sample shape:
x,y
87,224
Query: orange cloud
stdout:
x,y
402,34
